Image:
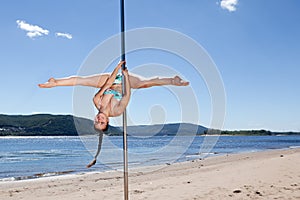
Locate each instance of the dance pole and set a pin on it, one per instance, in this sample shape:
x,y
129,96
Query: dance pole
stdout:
x,y
125,155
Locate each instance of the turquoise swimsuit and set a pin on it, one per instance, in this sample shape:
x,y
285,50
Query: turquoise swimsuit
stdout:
x,y
117,95
118,79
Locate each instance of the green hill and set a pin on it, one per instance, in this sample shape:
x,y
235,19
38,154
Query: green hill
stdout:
x,y
64,125
42,125
68,125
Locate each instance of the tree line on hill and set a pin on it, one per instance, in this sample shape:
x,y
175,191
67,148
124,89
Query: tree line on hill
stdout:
x,y
68,125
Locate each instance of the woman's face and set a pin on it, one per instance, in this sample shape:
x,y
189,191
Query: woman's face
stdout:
x,y
101,121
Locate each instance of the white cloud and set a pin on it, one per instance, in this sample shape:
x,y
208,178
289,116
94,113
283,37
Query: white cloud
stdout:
x,y
36,31
32,30
229,5
65,35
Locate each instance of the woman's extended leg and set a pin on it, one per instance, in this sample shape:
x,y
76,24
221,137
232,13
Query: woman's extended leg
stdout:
x,y
93,81
137,82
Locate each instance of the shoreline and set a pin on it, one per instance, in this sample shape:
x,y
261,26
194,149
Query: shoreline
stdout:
x,y
197,157
260,175
192,135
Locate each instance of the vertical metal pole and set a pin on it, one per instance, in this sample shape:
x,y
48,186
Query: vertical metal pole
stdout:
x,y
125,155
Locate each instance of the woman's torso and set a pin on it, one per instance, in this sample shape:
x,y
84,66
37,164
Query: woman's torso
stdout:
x,y
110,100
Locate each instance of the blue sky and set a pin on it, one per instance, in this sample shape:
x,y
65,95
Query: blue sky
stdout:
x,y
254,44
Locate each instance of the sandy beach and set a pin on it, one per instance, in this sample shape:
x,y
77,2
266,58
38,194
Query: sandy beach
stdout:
x,y
271,174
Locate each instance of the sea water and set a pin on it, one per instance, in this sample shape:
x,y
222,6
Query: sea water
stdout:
x,y
34,157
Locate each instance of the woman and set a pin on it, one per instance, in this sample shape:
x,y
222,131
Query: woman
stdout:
x,y
109,100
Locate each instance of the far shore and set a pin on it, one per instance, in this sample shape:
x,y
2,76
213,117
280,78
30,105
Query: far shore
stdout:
x,y
199,135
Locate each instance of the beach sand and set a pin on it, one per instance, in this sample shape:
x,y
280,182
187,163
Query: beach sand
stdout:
x,y
271,174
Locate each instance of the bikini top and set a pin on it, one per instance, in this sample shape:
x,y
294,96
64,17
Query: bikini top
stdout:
x,y
117,95
118,79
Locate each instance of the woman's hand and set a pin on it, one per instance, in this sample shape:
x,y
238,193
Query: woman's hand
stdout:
x,y
125,72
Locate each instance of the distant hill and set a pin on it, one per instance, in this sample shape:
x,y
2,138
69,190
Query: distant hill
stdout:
x,y
42,125
64,125
180,129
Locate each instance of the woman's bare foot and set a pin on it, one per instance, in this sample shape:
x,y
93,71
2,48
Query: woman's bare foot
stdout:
x,y
51,83
179,82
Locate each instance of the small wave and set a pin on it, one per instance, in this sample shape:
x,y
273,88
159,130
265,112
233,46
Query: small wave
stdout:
x,y
294,147
201,154
17,159
7,179
39,175
41,151
32,155
53,173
